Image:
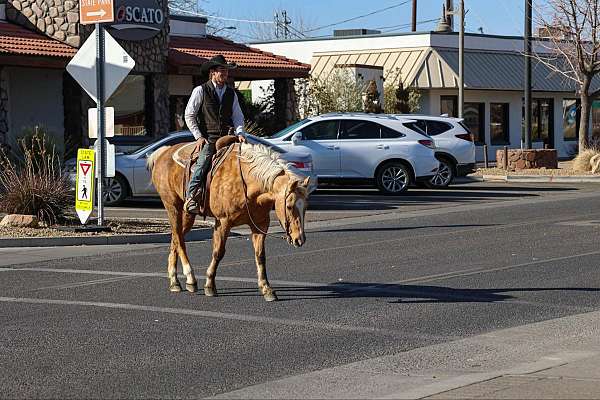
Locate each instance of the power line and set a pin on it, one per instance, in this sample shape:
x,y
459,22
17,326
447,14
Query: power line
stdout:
x,y
195,14
358,17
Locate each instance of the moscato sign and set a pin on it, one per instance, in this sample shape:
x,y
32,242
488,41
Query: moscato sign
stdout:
x,y
137,19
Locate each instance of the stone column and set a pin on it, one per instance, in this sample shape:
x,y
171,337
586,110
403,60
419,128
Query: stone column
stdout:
x,y
58,19
161,115
286,104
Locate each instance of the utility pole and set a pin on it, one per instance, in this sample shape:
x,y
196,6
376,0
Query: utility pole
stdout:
x,y
527,42
449,16
276,20
414,16
286,22
461,58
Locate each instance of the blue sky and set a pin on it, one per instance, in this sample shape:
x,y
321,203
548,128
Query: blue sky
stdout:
x,y
504,17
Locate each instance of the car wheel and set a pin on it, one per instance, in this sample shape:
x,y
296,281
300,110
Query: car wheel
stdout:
x,y
115,190
393,178
444,176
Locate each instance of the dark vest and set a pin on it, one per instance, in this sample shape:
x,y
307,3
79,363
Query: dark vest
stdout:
x,y
214,117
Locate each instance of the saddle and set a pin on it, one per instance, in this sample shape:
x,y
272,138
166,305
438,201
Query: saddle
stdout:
x,y
187,155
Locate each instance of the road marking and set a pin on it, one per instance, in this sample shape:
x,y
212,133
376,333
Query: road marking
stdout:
x,y
221,315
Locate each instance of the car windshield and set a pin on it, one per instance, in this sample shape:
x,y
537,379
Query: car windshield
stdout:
x,y
289,129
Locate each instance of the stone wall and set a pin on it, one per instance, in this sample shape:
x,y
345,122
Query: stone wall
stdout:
x,y
58,19
161,115
527,159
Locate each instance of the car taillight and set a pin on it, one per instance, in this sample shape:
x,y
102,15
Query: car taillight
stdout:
x,y
465,136
302,165
427,143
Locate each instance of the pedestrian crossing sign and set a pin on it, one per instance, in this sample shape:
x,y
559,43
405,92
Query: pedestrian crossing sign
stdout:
x,y
84,193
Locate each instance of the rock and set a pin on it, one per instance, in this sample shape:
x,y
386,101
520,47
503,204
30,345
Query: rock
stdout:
x,y
72,29
41,25
17,4
60,35
54,12
73,17
59,21
73,41
20,220
69,5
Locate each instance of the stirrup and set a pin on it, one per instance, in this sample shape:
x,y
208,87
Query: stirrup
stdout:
x,y
191,206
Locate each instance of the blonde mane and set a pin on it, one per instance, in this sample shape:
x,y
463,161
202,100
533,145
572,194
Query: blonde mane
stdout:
x,y
266,164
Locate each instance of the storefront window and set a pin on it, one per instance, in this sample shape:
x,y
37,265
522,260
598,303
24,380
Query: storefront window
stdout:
x,y
449,105
474,120
499,123
130,106
177,106
570,119
542,117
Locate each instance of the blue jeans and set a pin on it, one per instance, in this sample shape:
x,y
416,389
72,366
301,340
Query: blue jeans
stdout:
x,y
202,166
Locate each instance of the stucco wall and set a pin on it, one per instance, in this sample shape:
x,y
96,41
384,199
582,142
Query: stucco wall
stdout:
x,y
35,99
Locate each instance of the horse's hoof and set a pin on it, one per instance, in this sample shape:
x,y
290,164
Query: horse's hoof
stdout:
x,y
271,296
175,288
191,287
210,292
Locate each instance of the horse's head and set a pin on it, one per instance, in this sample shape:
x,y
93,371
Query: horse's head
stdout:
x,y
290,207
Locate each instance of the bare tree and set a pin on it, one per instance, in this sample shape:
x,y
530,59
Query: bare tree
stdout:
x,y
571,29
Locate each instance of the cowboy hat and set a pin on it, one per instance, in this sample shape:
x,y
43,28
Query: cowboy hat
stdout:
x,y
216,61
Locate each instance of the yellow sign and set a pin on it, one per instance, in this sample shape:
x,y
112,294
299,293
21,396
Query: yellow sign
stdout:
x,y
84,194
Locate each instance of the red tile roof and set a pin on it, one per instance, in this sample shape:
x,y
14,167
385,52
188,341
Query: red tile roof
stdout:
x,y
186,51
196,51
15,39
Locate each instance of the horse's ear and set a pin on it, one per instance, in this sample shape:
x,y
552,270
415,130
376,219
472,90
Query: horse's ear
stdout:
x,y
293,185
306,182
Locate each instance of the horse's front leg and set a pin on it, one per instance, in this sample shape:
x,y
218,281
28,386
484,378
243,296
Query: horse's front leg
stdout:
x,y
220,233
258,240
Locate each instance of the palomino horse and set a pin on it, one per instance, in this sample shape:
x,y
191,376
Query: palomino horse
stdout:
x,y
248,183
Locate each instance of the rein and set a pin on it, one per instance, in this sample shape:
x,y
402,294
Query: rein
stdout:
x,y
288,237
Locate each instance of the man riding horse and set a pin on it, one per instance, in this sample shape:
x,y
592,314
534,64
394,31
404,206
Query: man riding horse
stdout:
x,y
212,111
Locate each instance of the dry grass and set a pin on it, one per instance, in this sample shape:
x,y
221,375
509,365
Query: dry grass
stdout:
x,y
581,163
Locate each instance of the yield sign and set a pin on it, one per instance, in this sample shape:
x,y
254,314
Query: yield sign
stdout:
x,y
94,11
117,66
85,167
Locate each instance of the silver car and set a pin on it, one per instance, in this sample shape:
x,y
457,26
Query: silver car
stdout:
x,y
132,178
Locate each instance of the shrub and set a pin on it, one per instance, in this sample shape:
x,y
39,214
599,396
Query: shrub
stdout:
x,y
34,183
582,161
399,98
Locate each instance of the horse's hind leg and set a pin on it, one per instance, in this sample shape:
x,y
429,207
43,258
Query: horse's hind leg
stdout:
x,y
179,221
220,233
258,240
190,284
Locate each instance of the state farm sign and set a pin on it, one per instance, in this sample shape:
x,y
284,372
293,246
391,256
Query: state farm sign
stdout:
x,y
137,19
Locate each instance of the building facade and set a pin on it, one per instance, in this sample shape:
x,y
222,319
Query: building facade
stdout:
x,y
494,65
39,38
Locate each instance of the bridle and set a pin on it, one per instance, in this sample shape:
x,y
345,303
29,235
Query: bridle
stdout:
x,y
286,226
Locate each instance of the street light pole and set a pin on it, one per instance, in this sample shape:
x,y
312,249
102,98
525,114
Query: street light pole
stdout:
x,y
461,58
527,42
414,15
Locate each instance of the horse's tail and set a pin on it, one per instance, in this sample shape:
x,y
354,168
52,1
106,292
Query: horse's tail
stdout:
x,y
152,159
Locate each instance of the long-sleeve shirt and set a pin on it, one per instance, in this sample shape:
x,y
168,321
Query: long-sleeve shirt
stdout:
x,y
194,104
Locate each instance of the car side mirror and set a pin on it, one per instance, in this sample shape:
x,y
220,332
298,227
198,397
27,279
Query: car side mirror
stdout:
x,y
297,138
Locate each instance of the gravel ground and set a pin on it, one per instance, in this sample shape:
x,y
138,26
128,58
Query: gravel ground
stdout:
x,y
119,227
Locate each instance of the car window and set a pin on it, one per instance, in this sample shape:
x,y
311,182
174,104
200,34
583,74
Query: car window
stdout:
x,y
389,133
290,128
437,127
414,126
359,129
322,130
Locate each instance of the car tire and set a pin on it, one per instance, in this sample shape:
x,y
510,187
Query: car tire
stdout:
x,y
393,178
444,176
115,190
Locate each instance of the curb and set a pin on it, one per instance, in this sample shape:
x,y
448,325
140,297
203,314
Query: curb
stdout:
x,y
193,236
540,178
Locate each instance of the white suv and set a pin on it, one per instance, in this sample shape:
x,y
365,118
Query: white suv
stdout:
x,y
454,146
357,148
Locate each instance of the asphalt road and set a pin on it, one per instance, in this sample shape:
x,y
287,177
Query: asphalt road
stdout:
x,y
379,276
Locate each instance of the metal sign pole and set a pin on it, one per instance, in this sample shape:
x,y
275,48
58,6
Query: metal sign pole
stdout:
x,y
101,160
